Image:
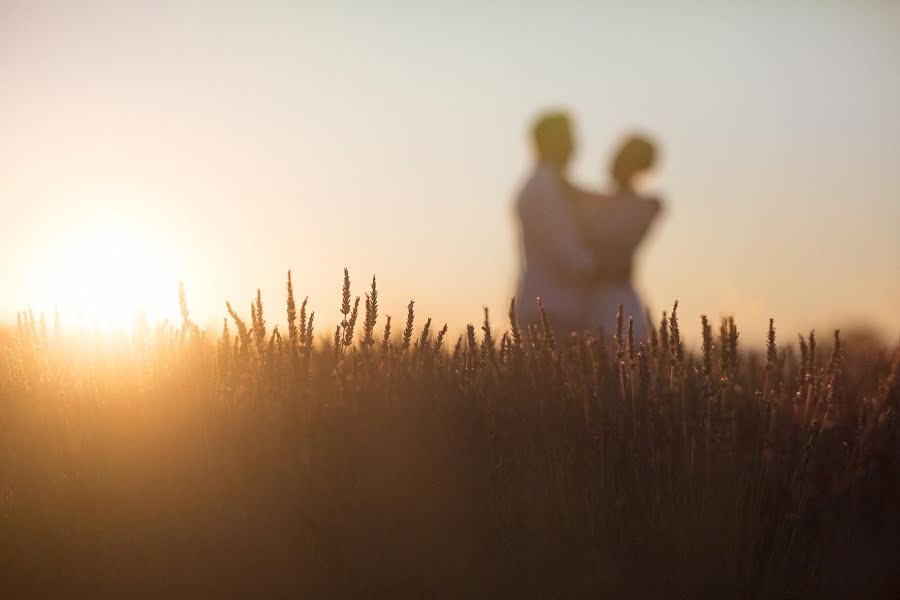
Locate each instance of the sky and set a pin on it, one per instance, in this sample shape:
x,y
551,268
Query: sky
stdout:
x,y
239,140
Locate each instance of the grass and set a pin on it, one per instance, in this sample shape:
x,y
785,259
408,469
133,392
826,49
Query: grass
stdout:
x,y
511,463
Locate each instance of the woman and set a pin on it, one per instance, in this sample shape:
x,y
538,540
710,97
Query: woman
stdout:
x,y
613,225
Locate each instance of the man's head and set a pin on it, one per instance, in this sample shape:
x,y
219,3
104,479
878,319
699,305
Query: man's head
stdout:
x,y
553,140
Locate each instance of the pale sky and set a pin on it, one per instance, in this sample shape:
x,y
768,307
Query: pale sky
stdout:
x,y
249,138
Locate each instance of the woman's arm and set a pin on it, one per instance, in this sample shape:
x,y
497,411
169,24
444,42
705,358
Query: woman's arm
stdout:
x,y
620,221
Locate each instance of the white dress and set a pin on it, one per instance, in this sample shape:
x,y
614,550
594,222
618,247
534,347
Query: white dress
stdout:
x,y
613,227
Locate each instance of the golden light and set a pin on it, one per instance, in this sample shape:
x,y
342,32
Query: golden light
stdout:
x,y
104,272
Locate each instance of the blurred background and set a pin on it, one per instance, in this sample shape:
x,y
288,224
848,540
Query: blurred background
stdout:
x,y
223,143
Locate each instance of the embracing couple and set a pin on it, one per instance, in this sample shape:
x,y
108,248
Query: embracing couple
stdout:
x,y
578,245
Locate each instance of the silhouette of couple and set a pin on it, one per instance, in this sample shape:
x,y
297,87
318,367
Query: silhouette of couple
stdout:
x,y
578,245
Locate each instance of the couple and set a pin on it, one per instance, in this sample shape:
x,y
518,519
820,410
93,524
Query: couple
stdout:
x,y
578,245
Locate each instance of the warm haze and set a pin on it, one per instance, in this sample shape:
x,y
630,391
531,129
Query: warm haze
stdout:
x,y
727,171
230,142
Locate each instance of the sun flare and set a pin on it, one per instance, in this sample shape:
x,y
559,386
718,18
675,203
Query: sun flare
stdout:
x,y
106,272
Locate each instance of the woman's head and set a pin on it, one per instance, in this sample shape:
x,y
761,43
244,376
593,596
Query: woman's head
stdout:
x,y
636,155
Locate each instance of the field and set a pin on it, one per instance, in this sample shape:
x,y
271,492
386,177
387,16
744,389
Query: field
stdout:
x,y
387,460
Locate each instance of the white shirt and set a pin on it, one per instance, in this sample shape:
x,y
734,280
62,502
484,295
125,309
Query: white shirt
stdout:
x,y
556,263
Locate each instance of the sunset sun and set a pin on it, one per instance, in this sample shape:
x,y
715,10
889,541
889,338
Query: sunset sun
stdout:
x,y
105,272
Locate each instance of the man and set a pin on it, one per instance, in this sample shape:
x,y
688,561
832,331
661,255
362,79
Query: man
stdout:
x,y
557,266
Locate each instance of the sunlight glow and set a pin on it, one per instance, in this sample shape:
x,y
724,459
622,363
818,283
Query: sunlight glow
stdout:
x,y
105,272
